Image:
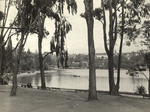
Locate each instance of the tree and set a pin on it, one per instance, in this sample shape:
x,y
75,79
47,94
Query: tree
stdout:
x,y
130,16
139,67
3,20
40,38
132,13
109,47
121,45
61,29
91,49
5,35
43,9
24,25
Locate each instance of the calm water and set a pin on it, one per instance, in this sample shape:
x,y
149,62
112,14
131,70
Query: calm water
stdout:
x,y
66,79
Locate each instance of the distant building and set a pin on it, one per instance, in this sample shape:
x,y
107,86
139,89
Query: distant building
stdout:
x,y
128,55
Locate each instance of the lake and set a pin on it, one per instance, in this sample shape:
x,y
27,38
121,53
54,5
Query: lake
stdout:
x,y
78,79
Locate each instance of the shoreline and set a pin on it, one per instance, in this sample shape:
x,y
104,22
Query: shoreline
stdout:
x,y
130,94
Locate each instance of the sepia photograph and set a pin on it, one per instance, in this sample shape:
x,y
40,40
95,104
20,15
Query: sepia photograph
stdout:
x,y
74,56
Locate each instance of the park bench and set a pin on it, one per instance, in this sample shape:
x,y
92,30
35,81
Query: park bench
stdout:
x,y
146,95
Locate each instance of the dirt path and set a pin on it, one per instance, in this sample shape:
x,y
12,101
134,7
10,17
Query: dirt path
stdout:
x,y
33,100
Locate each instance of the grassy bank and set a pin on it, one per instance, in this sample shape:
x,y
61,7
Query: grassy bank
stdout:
x,y
34,100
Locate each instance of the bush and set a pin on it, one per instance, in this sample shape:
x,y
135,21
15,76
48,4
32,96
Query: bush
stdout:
x,y
141,90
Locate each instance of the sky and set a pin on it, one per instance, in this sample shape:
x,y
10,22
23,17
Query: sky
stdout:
x,y
77,40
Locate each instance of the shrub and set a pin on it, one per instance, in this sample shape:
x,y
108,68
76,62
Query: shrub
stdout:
x,y
141,90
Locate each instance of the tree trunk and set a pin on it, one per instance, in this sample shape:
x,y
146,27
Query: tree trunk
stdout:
x,y
1,53
91,49
43,85
1,80
1,63
41,60
112,87
112,90
149,83
120,49
14,81
16,66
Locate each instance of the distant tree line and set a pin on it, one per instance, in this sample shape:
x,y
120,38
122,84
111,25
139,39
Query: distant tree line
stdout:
x,y
128,62
29,61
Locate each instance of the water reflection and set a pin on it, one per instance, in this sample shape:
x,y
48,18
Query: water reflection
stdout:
x,y
78,79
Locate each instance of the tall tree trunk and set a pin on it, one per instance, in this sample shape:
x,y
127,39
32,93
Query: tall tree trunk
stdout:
x,y
149,83
1,80
24,35
1,62
17,64
120,49
41,60
91,49
1,52
112,86
1,41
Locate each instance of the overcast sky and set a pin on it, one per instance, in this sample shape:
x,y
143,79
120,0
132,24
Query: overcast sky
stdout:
x,y
77,38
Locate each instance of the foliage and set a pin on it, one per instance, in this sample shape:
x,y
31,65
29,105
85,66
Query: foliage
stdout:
x,y
141,90
52,9
147,59
29,61
9,57
26,62
134,12
98,13
61,29
145,33
78,61
125,62
49,62
124,19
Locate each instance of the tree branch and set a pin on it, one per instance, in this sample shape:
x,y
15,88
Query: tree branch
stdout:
x,y
145,76
104,29
116,24
16,46
11,28
7,12
47,55
10,37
